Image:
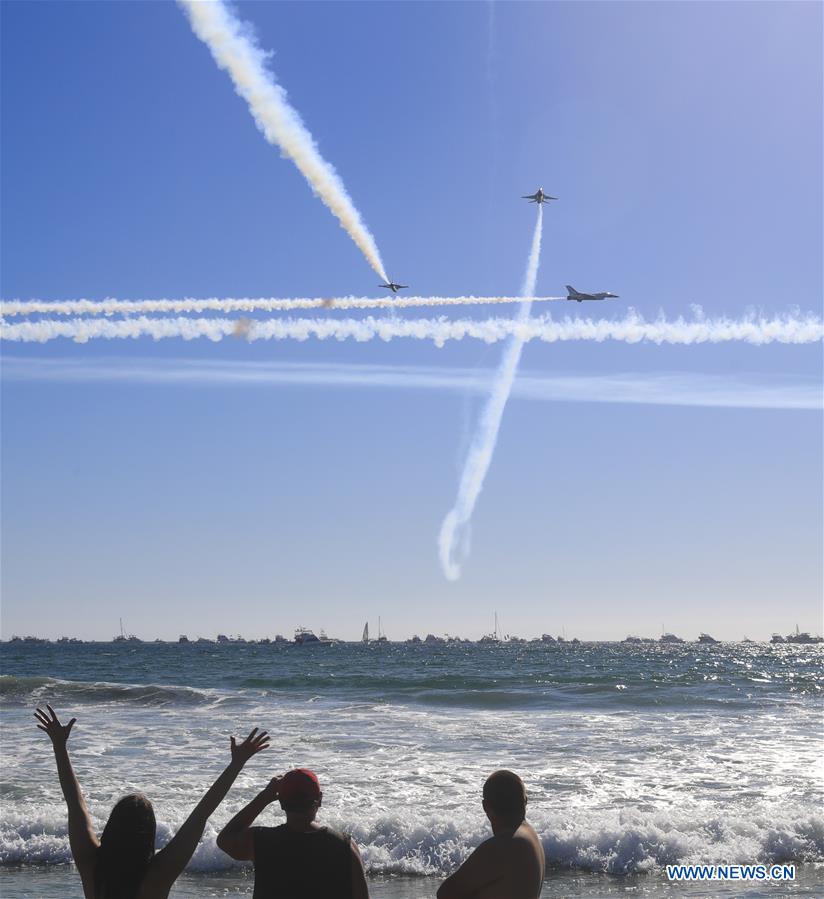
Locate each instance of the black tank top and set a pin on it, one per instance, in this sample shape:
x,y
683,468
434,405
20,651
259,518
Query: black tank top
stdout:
x,y
290,864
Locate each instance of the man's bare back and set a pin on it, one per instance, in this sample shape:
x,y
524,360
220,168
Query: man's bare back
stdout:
x,y
509,865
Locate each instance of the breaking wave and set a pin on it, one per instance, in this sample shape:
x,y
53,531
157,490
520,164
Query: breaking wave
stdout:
x,y
594,840
17,691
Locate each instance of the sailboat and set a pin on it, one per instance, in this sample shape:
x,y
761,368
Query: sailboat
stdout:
x,y
493,637
123,637
381,634
365,637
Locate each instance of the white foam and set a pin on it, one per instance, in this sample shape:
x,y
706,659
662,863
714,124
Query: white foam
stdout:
x,y
614,842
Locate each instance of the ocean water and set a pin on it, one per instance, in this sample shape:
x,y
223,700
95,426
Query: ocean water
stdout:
x,y
634,756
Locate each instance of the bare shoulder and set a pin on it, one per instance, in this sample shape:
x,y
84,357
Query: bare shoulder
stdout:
x,y
525,840
526,833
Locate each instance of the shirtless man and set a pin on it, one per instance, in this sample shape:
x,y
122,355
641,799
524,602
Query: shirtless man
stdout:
x,y
509,865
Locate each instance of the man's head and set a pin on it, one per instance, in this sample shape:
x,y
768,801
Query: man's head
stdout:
x,y
299,794
504,798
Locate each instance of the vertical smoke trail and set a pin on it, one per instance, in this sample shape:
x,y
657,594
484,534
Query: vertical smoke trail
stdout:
x,y
235,50
480,453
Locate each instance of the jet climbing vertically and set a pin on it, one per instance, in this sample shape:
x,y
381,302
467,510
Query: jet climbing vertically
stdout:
x,y
538,197
394,287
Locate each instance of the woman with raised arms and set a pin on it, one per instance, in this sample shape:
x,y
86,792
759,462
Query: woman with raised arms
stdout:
x,y
122,862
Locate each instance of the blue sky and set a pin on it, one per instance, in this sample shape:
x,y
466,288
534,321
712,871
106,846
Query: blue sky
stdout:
x,y
684,142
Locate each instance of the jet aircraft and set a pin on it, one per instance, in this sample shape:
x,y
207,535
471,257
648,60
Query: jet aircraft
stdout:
x,y
394,287
580,297
538,197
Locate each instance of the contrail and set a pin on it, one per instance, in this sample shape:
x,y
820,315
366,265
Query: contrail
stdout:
x,y
483,443
112,306
632,328
235,50
742,390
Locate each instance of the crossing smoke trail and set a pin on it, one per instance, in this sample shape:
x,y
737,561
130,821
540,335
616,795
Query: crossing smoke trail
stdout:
x,y
263,304
454,528
235,50
632,328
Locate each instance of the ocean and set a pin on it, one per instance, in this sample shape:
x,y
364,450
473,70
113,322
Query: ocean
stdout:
x,y
634,756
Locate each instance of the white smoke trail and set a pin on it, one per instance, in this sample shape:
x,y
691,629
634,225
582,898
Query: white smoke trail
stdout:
x,y
773,390
632,328
483,443
263,304
234,49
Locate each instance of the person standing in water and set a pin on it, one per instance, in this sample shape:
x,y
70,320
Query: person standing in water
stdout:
x,y
509,865
122,862
300,859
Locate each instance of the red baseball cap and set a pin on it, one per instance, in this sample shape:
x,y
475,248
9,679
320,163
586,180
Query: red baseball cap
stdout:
x,y
299,786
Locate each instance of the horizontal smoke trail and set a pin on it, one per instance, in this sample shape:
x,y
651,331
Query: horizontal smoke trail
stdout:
x,y
251,304
235,50
633,328
776,390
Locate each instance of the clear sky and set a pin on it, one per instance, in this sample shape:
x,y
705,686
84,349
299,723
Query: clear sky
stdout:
x,y
684,141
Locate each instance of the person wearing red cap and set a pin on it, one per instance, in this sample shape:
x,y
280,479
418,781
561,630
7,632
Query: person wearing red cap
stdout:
x,y
509,865
299,859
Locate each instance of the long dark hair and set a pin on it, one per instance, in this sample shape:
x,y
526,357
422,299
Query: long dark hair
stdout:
x,y
126,848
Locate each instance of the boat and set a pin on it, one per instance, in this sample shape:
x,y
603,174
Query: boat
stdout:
x,y
802,637
381,635
365,635
669,638
414,639
777,638
706,638
123,637
305,637
493,637
431,638
547,638
183,639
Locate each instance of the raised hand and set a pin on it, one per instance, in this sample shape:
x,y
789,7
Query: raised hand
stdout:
x,y
254,743
49,722
272,790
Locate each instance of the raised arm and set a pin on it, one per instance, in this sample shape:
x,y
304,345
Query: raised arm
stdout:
x,y
236,839
169,863
82,838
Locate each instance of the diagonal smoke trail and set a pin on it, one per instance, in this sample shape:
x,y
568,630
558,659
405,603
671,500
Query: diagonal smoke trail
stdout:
x,y
794,328
234,49
482,448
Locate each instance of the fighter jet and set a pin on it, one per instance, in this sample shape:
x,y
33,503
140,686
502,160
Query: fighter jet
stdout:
x,y
580,297
538,197
394,287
